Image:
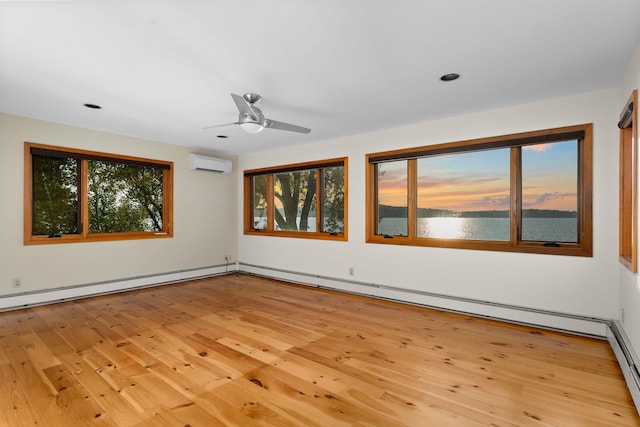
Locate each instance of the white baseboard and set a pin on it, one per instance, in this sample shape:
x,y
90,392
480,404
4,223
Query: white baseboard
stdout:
x,y
523,315
627,359
48,296
564,322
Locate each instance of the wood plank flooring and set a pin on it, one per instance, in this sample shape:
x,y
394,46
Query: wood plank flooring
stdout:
x,y
242,350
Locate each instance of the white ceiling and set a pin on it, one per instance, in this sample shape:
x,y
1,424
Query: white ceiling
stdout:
x,y
163,70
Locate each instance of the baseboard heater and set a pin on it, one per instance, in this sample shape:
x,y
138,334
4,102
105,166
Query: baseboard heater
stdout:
x,y
627,360
68,293
553,320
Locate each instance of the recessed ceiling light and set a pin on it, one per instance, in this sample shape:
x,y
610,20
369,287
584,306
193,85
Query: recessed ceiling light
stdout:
x,y
450,77
94,106
223,136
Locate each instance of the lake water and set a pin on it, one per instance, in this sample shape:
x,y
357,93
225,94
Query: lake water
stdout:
x,y
533,229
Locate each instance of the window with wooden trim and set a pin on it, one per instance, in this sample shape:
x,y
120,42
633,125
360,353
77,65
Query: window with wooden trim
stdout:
x,y
299,200
629,183
528,192
73,195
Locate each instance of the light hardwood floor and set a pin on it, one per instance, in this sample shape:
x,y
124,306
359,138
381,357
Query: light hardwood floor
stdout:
x,y
242,350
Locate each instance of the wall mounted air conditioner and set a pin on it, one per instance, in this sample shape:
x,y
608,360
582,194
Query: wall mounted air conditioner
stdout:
x,y
207,163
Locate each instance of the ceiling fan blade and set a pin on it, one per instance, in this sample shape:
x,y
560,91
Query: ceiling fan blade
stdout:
x,y
219,126
243,106
273,124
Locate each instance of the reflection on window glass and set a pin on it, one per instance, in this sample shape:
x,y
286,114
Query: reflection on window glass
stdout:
x,y
550,192
124,198
333,199
392,198
295,200
464,195
55,195
259,202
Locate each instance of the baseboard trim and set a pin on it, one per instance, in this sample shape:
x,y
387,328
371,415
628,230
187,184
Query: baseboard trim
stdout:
x,y
627,359
564,322
557,321
48,296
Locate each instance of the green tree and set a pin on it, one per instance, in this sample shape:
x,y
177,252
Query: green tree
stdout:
x,y
124,198
55,195
333,199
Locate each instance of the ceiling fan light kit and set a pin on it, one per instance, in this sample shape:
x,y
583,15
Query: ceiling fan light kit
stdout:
x,y
251,127
251,119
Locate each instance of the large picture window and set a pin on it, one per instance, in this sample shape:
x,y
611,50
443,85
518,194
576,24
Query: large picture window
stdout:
x,y
76,195
301,200
528,192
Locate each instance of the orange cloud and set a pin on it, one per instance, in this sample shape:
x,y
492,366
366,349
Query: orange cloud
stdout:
x,y
537,147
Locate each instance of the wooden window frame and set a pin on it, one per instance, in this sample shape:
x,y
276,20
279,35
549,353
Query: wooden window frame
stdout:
x,y
584,247
628,237
270,172
83,235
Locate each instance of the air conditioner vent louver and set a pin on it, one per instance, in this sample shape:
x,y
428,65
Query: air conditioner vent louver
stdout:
x,y
207,163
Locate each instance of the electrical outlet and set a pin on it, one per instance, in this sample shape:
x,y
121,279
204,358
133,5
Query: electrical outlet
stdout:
x,y
227,258
622,315
350,271
17,283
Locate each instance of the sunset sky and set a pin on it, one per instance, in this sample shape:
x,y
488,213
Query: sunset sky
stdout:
x,y
480,180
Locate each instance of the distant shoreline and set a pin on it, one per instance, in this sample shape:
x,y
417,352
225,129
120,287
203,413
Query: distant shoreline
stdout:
x,y
385,211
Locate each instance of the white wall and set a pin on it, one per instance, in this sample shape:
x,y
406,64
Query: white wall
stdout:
x,y
629,282
205,217
576,285
207,211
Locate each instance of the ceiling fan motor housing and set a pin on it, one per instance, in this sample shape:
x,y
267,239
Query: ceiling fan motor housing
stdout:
x,y
247,118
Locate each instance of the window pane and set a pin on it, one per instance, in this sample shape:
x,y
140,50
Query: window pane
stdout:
x,y
124,198
464,195
55,195
550,192
333,199
259,202
392,198
295,200
628,180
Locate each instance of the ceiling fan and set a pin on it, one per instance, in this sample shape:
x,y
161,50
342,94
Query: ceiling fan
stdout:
x,y
252,120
